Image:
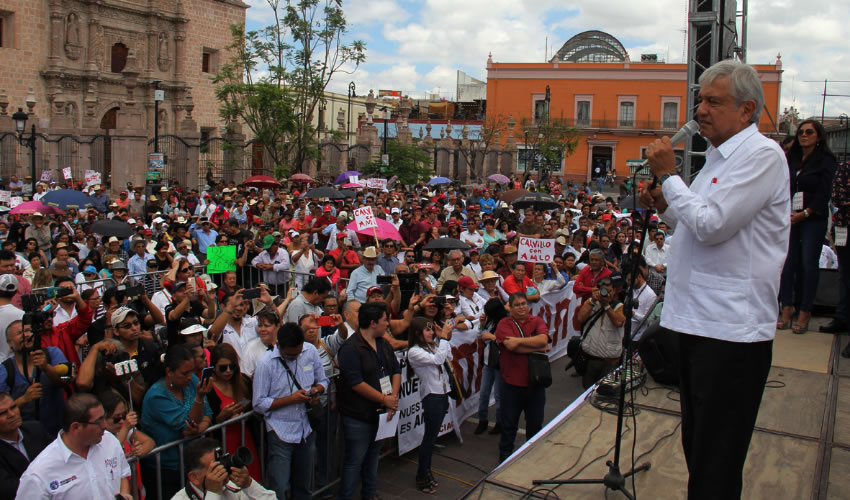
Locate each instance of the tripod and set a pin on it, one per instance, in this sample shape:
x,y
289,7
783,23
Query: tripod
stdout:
x,y
614,479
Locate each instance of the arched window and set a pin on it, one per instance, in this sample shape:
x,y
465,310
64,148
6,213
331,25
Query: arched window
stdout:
x,y
119,57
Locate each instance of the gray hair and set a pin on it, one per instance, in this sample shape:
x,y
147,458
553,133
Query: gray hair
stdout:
x,y
456,253
348,304
597,252
744,83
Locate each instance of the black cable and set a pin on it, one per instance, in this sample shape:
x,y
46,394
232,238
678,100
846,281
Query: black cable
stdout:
x,y
479,469
634,439
659,440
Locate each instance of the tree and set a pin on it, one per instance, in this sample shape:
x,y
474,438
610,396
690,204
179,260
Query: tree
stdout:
x,y
488,136
409,163
301,51
551,141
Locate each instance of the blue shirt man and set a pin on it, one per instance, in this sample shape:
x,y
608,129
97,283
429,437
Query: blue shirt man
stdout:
x,y
205,236
288,381
488,204
365,276
138,262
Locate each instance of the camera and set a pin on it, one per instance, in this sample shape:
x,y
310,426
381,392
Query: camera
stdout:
x,y
131,292
251,293
385,279
242,457
439,300
604,292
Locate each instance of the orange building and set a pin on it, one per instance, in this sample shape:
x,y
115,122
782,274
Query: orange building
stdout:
x,y
618,105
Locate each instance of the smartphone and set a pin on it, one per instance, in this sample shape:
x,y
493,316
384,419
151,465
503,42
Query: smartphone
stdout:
x,y
251,293
207,373
325,321
385,279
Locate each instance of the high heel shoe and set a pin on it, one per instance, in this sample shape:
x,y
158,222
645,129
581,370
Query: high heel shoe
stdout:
x,y
802,324
784,322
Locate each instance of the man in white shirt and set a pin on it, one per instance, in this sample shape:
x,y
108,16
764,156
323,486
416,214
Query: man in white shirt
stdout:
x,y
396,220
472,237
8,312
274,262
233,326
83,462
656,253
732,228
644,297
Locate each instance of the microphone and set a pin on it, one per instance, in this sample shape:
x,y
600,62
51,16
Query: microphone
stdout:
x,y
687,130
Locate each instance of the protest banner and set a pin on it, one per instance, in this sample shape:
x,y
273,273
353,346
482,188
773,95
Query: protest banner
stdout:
x,y
46,175
376,183
222,259
536,250
365,218
92,178
5,196
14,201
66,172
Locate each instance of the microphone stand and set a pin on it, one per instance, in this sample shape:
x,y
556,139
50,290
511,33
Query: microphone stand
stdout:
x,y
614,479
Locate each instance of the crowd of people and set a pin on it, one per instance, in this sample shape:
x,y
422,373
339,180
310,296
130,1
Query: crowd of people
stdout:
x,y
130,335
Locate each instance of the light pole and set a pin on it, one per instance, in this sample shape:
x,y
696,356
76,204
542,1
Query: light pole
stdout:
x,y
385,159
844,121
351,94
158,95
20,119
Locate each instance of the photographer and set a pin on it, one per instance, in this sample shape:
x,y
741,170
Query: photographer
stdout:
x,y
309,301
39,393
8,311
287,381
233,326
187,301
602,318
65,335
206,478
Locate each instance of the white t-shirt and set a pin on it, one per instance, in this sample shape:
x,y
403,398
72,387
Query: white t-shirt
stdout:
x,y
239,341
8,314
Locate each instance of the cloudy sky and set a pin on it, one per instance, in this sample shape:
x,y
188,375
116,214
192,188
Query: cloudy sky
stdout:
x,y
417,46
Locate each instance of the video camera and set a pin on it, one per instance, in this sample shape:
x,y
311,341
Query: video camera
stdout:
x,y
33,301
242,457
132,292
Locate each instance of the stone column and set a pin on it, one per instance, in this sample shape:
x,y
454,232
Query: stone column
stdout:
x,y
57,33
95,46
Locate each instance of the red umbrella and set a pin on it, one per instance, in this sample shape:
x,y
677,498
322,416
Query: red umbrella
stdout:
x,y
509,196
300,178
385,230
261,181
31,207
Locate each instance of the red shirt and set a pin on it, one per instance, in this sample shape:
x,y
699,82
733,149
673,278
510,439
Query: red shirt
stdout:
x,y
350,257
586,281
65,335
514,366
511,286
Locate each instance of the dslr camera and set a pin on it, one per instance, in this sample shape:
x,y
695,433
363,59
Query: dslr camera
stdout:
x,y
242,457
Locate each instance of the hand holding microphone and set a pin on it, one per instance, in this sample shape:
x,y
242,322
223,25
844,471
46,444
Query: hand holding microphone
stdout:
x,y
661,160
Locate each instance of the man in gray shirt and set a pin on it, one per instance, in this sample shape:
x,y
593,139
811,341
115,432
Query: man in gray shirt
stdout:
x,y
309,301
388,260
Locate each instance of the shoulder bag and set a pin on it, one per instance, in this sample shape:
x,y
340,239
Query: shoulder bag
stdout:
x,y
314,411
456,390
539,369
578,358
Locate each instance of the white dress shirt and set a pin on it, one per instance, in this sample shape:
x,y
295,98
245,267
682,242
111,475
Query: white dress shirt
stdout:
x,y
239,340
428,366
656,256
732,228
280,274
473,307
645,297
57,473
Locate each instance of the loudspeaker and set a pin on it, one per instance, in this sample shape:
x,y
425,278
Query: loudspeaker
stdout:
x,y
659,351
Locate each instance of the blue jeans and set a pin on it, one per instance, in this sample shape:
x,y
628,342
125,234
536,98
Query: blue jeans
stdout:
x,y
434,406
489,381
290,463
516,400
799,282
361,458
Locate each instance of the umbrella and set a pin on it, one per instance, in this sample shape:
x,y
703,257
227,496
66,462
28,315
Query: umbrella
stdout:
x,y
347,193
261,181
300,178
4,209
345,175
446,244
385,230
324,192
502,179
112,227
31,207
439,180
536,201
67,198
509,196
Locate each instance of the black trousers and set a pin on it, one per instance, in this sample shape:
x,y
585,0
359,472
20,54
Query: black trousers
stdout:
x,y
722,384
515,401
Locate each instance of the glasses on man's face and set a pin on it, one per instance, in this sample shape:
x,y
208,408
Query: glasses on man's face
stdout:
x,y
98,422
226,368
409,257
184,270
806,131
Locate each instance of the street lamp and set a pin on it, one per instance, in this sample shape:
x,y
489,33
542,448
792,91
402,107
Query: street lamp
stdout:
x,y
158,95
384,158
351,94
20,119
844,121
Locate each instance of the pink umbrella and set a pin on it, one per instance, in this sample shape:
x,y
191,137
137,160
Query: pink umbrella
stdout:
x,y
300,178
352,185
385,230
31,207
262,181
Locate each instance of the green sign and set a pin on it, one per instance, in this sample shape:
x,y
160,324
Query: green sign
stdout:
x,y
222,259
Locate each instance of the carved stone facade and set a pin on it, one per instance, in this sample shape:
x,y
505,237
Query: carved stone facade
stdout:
x,y
85,58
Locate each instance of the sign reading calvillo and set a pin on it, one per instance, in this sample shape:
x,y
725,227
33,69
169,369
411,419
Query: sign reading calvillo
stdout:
x,y
365,218
536,250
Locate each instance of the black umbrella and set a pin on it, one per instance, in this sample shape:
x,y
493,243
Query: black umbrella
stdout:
x,y
324,192
347,193
536,201
446,244
112,227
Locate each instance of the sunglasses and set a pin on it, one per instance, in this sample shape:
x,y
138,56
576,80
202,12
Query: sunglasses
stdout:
x,y
806,131
226,368
184,270
119,418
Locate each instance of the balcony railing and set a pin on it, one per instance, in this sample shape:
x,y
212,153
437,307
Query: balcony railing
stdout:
x,y
635,125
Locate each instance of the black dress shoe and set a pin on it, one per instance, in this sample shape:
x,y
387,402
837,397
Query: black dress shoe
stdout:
x,y
497,429
834,326
482,427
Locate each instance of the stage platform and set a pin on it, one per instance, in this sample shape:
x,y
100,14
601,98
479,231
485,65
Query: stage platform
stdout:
x,y
800,450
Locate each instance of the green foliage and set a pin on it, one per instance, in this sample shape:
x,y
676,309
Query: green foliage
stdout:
x,y
553,140
298,55
409,163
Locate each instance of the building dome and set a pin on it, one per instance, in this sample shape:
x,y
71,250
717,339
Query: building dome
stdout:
x,y
592,47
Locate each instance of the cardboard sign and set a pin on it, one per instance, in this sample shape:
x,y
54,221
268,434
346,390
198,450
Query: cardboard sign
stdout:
x,y
46,175
92,178
5,196
66,172
14,201
365,218
536,250
222,259
376,183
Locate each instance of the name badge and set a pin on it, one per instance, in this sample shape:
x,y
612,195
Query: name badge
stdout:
x,y
308,368
386,385
840,236
797,202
